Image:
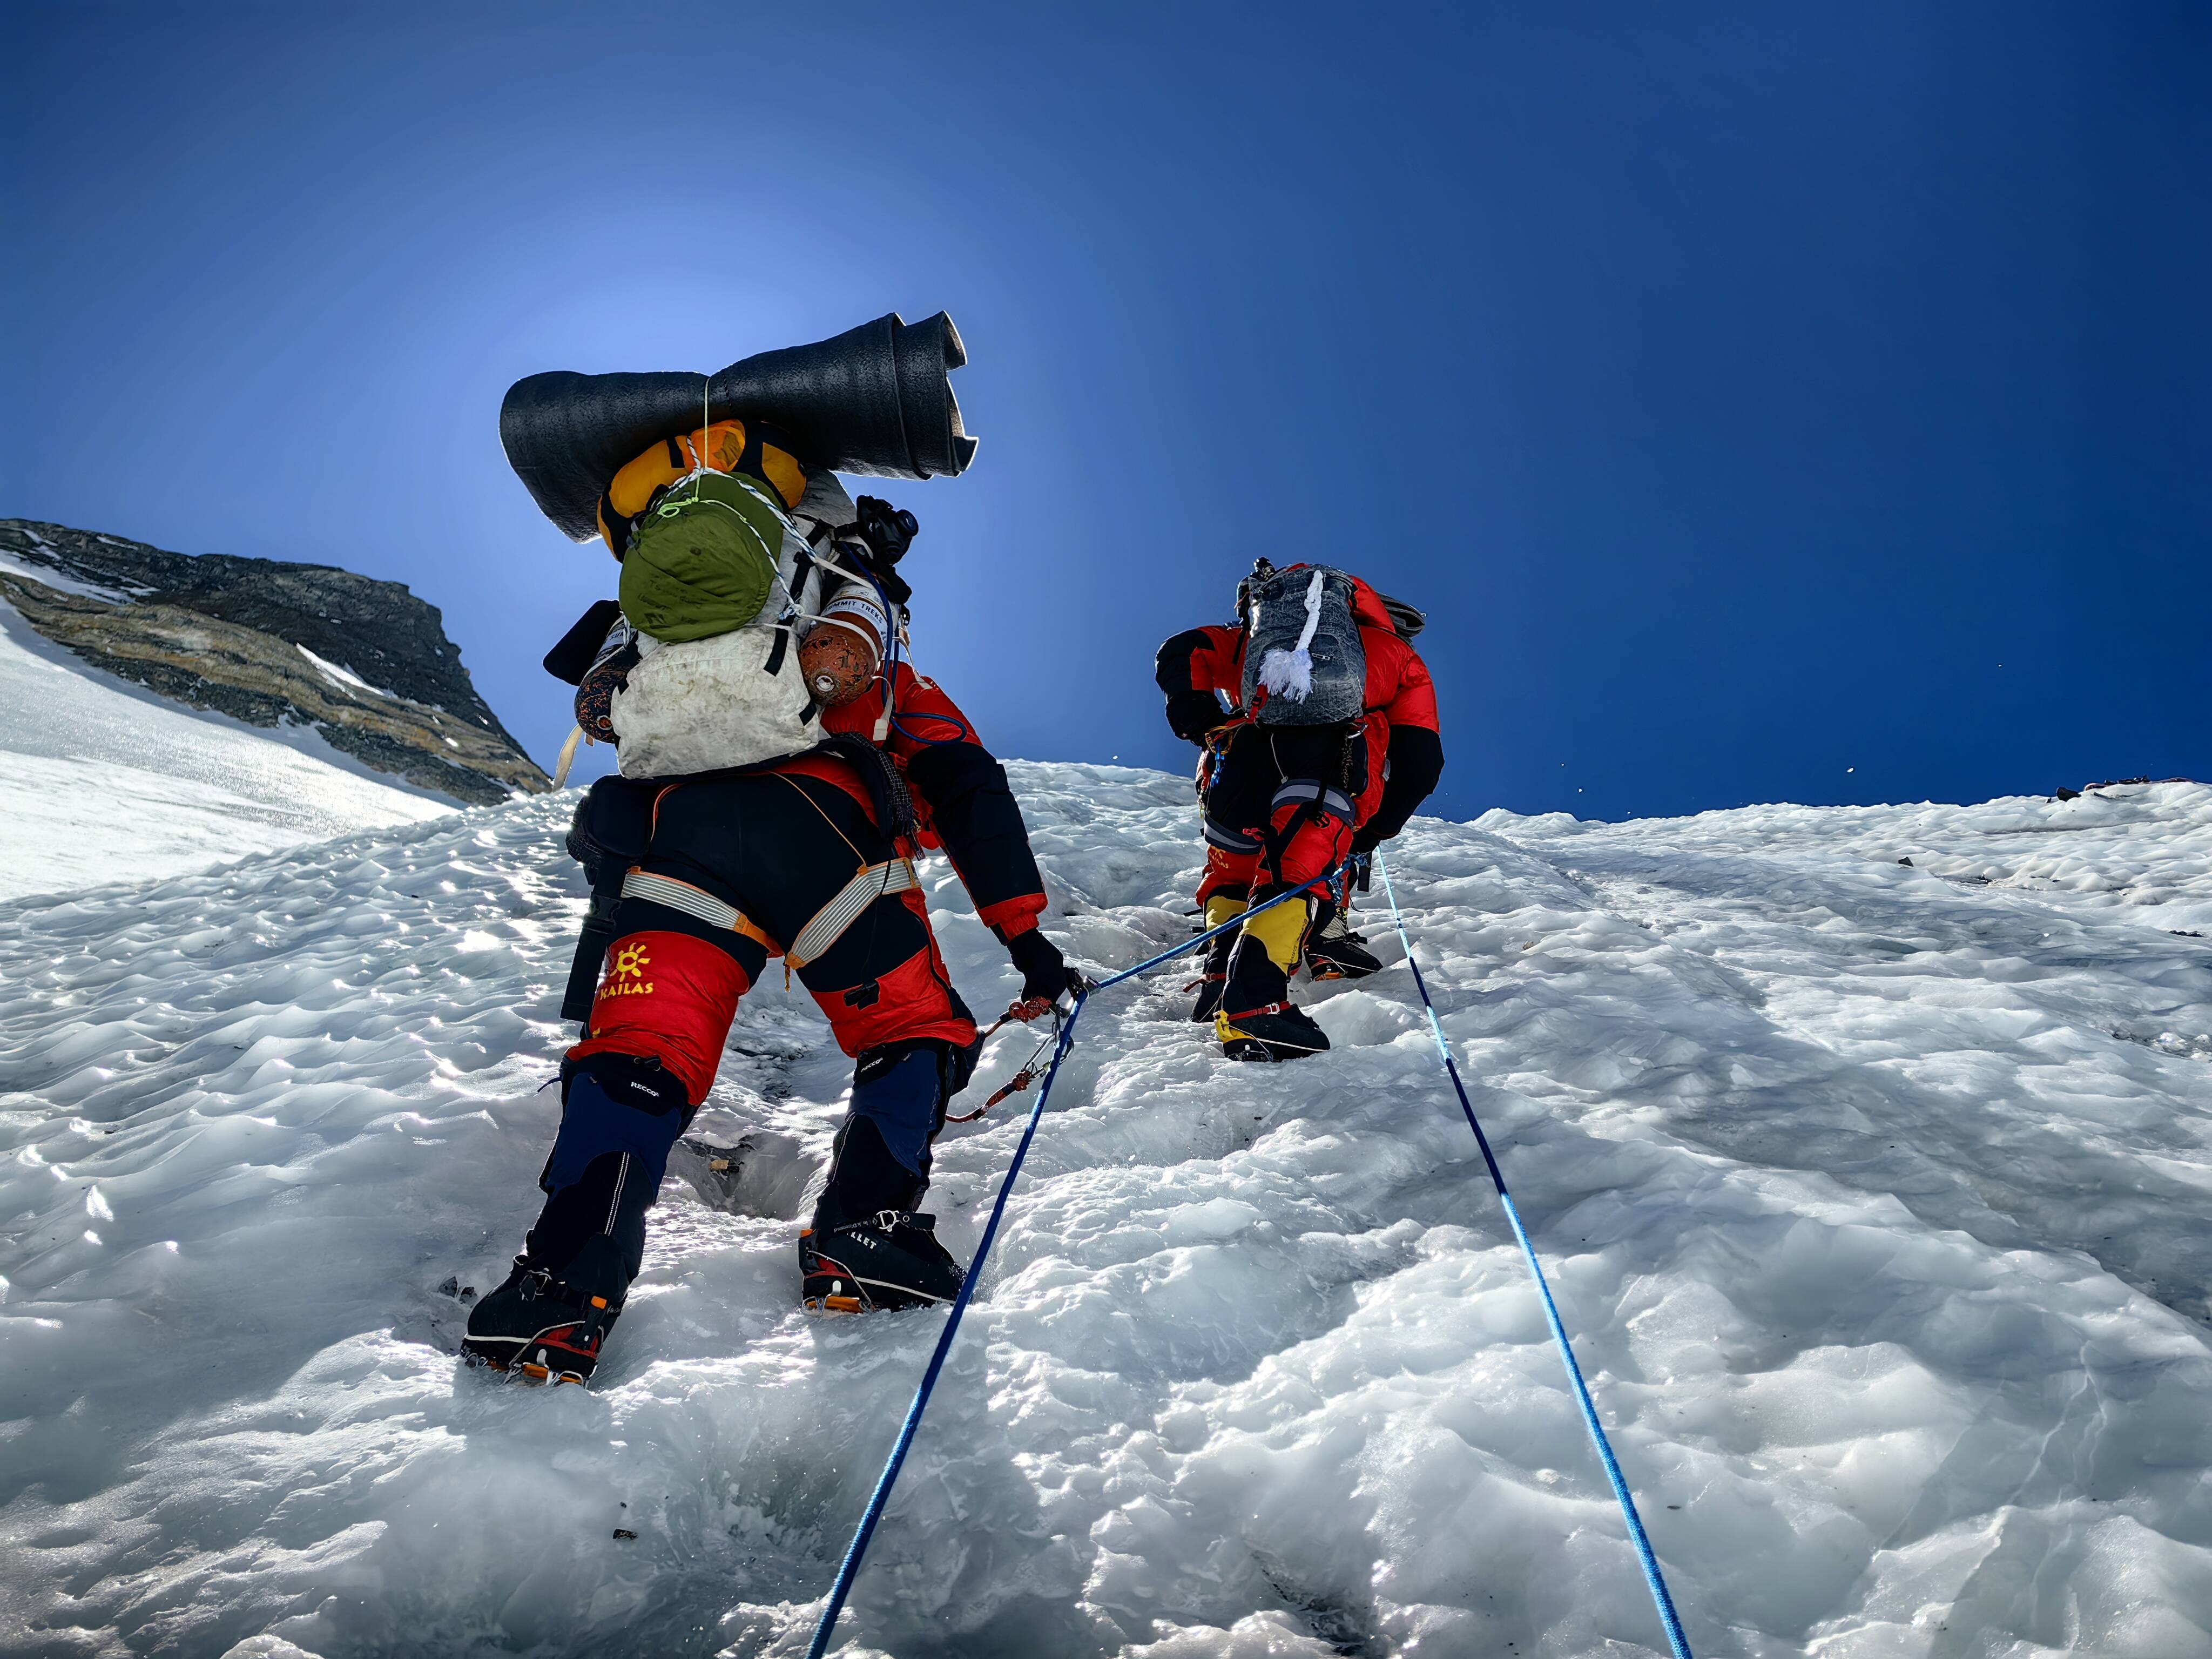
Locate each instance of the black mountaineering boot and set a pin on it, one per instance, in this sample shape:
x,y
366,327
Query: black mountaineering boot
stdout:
x,y
1334,951
1256,1020
1331,949
890,1259
1212,977
549,1329
867,1248
549,1321
1221,909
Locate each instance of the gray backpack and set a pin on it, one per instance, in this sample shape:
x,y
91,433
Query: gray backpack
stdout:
x,y
1303,663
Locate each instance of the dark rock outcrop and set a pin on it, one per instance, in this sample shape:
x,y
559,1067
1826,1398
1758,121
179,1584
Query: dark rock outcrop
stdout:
x,y
364,662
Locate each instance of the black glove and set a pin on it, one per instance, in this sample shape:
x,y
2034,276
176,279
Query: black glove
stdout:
x,y
1192,714
1361,870
1046,976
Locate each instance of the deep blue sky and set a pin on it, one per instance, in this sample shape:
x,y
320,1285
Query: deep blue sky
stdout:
x,y
1749,392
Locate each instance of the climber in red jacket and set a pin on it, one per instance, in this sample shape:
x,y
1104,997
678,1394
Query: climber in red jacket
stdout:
x,y
1318,723
706,875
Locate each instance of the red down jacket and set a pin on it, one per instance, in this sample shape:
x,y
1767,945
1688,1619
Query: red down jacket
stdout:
x,y
1405,750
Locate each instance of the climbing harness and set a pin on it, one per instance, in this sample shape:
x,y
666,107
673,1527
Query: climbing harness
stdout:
x,y
1061,1041
1652,1576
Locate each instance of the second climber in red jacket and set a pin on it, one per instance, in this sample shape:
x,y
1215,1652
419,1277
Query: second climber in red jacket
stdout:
x,y
1318,721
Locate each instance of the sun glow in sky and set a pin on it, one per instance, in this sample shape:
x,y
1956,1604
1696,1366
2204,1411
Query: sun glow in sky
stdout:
x,y
1765,403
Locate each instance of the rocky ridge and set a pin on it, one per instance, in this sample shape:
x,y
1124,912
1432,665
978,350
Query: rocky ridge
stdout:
x,y
363,662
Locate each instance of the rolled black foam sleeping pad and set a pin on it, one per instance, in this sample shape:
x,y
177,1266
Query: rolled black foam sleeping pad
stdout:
x,y
874,400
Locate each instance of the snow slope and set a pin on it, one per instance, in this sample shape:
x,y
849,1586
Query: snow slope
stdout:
x,y
109,782
1874,1196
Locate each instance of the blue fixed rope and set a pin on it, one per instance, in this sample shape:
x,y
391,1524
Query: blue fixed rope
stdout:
x,y
850,1568
1636,1534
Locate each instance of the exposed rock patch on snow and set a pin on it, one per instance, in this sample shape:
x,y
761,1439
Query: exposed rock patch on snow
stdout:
x,y
110,783
1873,1198
363,663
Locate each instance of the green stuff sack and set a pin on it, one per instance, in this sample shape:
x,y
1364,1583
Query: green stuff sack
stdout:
x,y
703,561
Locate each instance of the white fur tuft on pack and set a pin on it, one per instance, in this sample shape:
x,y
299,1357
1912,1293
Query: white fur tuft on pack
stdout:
x,y
1289,674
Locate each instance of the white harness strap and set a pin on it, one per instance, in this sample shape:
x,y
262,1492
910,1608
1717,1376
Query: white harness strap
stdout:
x,y
825,929
682,895
868,885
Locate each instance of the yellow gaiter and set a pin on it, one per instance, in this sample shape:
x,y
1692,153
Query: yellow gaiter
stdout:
x,y
1280,931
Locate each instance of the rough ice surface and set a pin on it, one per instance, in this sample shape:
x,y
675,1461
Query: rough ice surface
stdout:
x,y
108,782
1874,1196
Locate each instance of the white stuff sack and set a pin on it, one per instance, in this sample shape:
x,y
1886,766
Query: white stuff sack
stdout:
x,y
711,703
705,705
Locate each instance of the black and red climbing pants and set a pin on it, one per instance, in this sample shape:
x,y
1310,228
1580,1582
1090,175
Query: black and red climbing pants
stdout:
x,y
1279,808
775,848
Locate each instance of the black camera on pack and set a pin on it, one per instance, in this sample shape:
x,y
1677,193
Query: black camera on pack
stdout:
x,y
878,539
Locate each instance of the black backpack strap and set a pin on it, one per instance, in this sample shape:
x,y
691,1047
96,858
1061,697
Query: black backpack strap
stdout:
x,y
610,830
1275,843
1316,795
887,790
